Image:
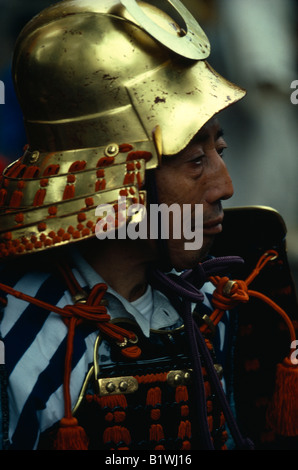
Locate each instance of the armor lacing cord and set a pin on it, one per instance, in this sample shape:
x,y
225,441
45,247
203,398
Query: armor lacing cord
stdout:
x,y
229,294
115,411
115,407
282,411
174,286
184,431
156,432
93,313
71,436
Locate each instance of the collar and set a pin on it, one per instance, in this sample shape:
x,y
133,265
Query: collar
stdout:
x,y
161,313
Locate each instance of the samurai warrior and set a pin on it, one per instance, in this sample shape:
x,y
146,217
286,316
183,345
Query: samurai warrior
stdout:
x,y
135,342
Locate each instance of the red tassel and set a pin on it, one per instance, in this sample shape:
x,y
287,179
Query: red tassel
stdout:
x,y
70,436
282,413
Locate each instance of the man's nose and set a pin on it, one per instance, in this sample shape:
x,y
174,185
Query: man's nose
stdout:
x,y
221,187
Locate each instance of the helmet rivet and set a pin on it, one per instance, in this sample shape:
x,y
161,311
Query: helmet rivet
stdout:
x,y
182,32
112,150
34,157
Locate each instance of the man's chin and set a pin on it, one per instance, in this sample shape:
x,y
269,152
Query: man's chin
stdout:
x,y
206,248
189,259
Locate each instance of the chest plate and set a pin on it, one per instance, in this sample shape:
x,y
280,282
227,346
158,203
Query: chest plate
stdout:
x,y
145,403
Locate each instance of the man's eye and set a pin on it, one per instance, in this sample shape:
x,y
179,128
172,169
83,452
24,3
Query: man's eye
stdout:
x,y
221,150
198,160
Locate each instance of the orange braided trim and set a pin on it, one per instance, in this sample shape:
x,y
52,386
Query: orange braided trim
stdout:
x,y
149,378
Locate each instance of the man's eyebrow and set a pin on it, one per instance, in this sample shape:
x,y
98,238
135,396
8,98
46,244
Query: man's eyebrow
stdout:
x,y
202,137
220,133
198,138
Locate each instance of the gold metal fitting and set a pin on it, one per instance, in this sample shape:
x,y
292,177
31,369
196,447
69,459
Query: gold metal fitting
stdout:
x,y
227,288
117,385
111,150
127,340
118,46
178,377
34,156
272,256
123,343
210,323
219,370
114,42
30,157
80,297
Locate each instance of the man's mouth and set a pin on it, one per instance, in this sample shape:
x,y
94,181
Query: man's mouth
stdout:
x,y
213,227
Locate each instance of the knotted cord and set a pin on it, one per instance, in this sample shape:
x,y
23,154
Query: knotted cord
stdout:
x,y
185,287
229,294
180,286
92,311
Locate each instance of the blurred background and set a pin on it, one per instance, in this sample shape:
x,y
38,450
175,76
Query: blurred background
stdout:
x,y
254,44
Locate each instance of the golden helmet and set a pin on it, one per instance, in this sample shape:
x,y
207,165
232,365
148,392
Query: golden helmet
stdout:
x,y
106,88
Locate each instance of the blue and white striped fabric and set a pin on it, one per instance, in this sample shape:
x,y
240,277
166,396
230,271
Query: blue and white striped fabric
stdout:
x,y
35,344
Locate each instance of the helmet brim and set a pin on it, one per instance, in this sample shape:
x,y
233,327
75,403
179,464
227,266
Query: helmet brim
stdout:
x,y
180,100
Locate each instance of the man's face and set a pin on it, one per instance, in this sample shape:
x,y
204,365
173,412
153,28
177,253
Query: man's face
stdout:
x,y
197,175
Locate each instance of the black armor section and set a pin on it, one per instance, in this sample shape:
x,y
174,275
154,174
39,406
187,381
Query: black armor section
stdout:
x,y
262,339
128,421
174,425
